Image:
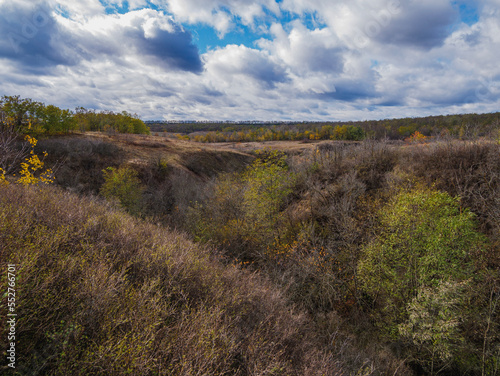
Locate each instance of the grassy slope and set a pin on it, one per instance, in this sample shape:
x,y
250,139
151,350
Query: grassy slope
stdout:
x,y
99,292
140,148
80,158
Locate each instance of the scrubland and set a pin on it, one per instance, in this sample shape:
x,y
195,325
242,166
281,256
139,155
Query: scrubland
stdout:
x,y
153,256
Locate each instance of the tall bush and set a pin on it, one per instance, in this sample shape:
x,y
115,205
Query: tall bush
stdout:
x,y
124,185
425,238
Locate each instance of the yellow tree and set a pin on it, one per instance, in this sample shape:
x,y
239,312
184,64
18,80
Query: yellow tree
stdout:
x,y
32,168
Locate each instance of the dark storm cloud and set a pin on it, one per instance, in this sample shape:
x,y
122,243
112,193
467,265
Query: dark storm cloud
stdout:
x,y
35,42
419,26
172,50
32,38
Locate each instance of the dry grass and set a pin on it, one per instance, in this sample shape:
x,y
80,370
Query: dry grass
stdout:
x,y
142,147
289,147
80,158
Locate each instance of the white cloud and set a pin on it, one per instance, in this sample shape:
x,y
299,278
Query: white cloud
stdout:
x,y
78,10
422,23
220,14
306,50
419,60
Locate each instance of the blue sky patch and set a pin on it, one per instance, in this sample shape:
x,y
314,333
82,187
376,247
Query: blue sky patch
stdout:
x,y
468,11
206,38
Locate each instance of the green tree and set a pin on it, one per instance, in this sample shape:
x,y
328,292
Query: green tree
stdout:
x,y
354,133
56,120
425,238
139,126
268,183
123,122
23,112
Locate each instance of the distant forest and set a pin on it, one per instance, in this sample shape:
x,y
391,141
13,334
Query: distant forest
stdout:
x,y
25,113
29,116
466,126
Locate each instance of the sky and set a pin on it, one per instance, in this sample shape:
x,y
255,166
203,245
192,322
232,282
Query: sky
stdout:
x,y
313,60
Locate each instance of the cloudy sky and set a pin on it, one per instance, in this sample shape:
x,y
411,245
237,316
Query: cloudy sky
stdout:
x,y
261,59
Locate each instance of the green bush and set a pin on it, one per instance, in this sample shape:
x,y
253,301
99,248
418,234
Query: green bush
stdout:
x,y
123,184
244,214
425,238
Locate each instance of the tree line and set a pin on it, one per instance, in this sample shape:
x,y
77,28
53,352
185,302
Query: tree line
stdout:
x,y
461,126
29,116
281,133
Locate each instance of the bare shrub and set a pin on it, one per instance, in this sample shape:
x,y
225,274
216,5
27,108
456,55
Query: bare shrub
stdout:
x,y
13,149
373,160
80,161
103,293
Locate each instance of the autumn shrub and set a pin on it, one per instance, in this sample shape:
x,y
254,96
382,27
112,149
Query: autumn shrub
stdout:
x,y
19,160
416,137
243,214
372,161
470,170
123,185
481,326
326,163
169,192
79,161
99,292
13,148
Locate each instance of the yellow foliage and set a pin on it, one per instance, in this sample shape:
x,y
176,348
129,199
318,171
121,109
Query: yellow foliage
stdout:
x,y
416,137
31,165
2,177
33,141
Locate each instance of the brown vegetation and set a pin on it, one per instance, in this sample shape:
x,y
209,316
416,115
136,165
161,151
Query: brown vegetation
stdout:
x,y
303,225
101,293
